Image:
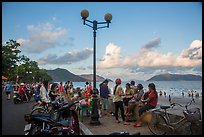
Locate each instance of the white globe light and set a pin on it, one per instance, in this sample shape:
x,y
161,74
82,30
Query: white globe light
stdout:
x,y
108,17
84,13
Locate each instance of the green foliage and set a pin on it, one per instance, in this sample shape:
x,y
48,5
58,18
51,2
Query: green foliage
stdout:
x,y
27,71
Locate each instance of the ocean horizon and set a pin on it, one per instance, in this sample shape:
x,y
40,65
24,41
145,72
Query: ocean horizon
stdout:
x,y
173,88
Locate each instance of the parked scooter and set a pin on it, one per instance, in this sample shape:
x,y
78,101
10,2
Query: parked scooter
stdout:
x,y
66,122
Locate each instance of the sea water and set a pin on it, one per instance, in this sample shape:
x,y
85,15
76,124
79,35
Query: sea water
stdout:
x,y
173,88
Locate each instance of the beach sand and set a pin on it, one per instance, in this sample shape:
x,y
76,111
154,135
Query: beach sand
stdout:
x,y
182,100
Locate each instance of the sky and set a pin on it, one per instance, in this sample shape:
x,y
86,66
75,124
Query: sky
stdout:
x,y
144,39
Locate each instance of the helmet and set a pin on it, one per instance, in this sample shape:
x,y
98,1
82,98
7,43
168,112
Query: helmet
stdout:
x,y
118,81
22,84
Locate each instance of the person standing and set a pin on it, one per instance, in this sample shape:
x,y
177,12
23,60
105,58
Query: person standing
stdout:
x,y
133,87
61,89
53,92
128,96
44,92
8,89
88,90
117,100
104,94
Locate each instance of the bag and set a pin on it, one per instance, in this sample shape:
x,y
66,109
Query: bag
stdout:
x,y
192,114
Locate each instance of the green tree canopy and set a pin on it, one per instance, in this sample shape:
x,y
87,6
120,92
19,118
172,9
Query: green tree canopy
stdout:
x,y
20,67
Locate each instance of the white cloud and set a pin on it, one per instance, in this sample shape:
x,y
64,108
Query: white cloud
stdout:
x,y
112,57
41,37
190,57
67,58
194,51
145,60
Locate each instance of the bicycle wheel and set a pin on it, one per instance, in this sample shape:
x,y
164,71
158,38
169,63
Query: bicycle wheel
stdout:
x,y
38,110
157,125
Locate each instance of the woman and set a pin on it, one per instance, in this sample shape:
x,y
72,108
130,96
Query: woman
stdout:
x,y
117,100
44,92
151,102
137,98
53,92
128,96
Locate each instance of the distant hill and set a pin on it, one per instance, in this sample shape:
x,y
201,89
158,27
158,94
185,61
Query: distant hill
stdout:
x,y
64,75
176,77
89,77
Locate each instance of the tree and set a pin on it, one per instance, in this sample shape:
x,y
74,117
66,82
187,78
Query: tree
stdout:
x,y
26,71
10,56
30,72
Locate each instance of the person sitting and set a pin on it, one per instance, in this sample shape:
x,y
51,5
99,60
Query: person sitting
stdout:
x,y
149,103
136,100
37,96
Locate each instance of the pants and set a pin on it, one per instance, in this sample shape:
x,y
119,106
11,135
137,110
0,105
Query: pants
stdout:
x,y
145,108
105,104
118,105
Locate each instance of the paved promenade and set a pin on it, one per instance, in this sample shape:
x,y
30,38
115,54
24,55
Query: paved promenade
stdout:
x,y
109,125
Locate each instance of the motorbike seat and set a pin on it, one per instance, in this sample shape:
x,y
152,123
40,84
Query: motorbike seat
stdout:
x,y
41,115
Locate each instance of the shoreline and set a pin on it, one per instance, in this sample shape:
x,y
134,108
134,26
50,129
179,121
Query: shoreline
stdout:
x,y
182,100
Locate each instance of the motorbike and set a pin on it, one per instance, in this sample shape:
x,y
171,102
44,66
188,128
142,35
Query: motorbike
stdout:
x,y
17,98
65,123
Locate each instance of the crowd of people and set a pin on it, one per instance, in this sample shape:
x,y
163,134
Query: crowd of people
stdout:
x,y
125,100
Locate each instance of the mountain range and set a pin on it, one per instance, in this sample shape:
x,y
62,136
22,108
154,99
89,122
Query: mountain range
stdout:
x,y
176,77
62,75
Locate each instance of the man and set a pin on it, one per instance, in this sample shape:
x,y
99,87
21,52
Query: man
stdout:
x,y
133,87
8,88
104,94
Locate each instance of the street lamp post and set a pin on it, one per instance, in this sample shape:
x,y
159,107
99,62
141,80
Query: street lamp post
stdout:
x,y
108,18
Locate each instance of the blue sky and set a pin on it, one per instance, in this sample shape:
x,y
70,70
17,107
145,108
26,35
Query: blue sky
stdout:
x,y
144,38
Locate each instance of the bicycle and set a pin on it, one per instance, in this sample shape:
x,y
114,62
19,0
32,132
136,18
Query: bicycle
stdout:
x,y
161,124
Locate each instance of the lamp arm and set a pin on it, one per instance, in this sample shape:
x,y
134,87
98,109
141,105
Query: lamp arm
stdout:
x,y
88,21
89,25
102,27
101,22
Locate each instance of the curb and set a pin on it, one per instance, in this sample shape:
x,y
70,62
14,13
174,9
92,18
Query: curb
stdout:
x,y
84,130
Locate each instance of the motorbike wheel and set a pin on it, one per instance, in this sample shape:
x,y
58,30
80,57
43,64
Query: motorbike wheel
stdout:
x,y
74,122
35,130
15,101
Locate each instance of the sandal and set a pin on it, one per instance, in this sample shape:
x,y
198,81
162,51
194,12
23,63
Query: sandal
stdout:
x,y
137,125
126,123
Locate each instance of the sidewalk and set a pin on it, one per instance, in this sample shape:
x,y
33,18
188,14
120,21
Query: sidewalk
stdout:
x,y
109,125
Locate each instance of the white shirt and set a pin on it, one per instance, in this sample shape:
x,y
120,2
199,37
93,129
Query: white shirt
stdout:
x,y
44,94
